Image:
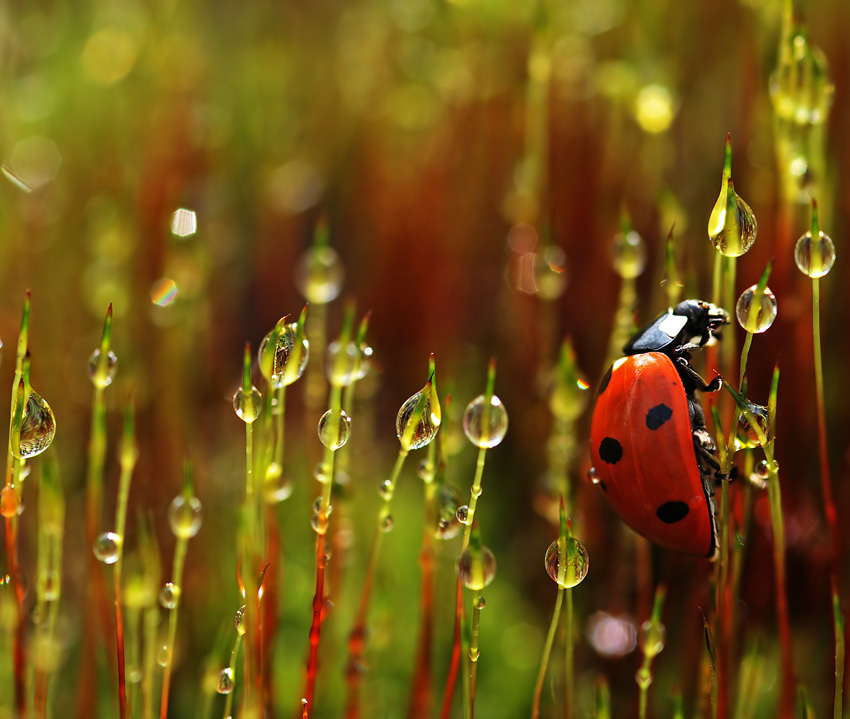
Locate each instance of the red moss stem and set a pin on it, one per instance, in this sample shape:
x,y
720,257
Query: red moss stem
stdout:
x,y
454,666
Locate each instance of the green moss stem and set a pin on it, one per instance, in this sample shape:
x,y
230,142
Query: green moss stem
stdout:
x,y
547,651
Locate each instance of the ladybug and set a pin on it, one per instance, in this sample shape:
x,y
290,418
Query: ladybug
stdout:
x,y
652,455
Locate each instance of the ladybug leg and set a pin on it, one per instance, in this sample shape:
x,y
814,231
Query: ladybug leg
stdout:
x,y
689,374
709,466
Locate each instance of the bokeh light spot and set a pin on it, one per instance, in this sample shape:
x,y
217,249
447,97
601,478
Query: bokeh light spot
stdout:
x,y
163,291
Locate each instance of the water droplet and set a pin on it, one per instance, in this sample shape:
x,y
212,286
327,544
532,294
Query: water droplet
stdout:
x,y
736,238
473,422
462,514
651,638
763,469
184,223
342,363
426,428
448,524
239,620
247,405
629,254
102,381
476,569
185,516
480,602
169,595
275,364
474,653
225,681
163,291
801,88
593,475
426,470
643,677
317,506
8,501
162,656
747,436
319,275
107,547
387,523
814,258
134,674
577,563
364,360
334,428
756,318
385,490
38,427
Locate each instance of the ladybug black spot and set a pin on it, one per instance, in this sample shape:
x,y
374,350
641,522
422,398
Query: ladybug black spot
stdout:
x,y
602,485
603,385
658,415
672,512
610,450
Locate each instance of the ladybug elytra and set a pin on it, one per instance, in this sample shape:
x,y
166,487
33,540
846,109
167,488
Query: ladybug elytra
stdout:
x,y
652,455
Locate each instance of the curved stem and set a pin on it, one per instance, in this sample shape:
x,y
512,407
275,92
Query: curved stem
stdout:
x,y
547,651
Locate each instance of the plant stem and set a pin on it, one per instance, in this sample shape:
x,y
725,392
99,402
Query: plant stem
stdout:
x,y
569,669
547,651
177,574
228,702
454,664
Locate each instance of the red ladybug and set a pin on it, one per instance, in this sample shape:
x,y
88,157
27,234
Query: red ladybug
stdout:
x,y
652,455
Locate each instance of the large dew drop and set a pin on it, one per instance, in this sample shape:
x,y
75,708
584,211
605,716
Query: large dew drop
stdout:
x,y
814,257
342,363
334,428
104,380
225,681
319,275
473,422
476,568
428,425
731,238
107,547
576,565
38,427
651,638
247,405
756,314
185,516
275,363
169,595
629,255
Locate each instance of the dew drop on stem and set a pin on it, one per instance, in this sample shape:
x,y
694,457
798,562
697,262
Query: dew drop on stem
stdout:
x,y
473,422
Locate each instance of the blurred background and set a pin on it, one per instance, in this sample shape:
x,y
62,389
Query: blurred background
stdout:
x,y
471,162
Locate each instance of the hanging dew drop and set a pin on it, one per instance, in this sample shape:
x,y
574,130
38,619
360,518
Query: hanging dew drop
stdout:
x,y
746,436
448,524
463,514
334,428
756,314
426,428
38,427
473,422
577,563
162,656
593,476
385,490
169,595
239,620
107,547
731,236
342,363
185,516
285,363
247,405
629,255
101,381
387,523
814,258
651,638
319,275
476,568
225,681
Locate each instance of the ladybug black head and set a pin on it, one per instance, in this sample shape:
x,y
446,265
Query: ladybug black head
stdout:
x,y
687,327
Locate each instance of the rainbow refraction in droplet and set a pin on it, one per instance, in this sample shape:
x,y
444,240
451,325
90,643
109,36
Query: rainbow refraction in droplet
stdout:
x,y
163,291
